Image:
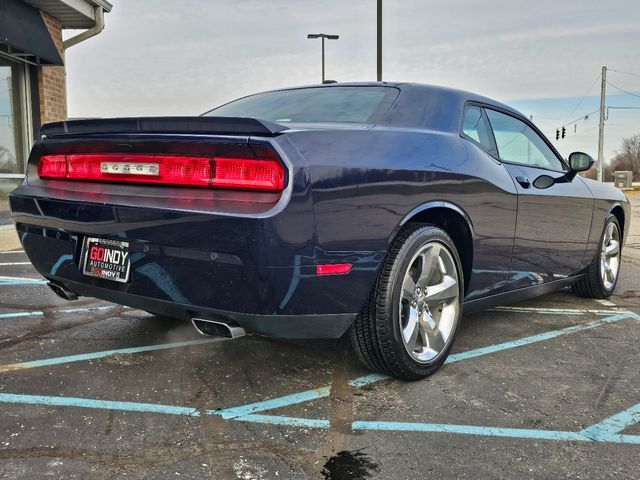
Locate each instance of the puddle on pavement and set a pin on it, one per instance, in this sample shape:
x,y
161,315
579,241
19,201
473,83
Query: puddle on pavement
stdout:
x,y
349,466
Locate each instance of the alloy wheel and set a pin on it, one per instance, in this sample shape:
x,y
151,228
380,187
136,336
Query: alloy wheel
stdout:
x,y
429,302
610,256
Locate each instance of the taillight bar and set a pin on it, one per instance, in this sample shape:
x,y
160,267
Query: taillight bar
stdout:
x,y
192,171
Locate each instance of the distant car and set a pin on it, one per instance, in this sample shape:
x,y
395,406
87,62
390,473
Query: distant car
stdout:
x,y
378,209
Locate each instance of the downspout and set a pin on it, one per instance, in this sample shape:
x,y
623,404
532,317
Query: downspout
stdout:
x,y
95,30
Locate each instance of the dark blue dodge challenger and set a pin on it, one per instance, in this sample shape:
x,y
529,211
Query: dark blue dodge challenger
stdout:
x,y
382,210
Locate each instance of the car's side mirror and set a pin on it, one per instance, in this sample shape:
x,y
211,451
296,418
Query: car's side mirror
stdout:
x,y
580,162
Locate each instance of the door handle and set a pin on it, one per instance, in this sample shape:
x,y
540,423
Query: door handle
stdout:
x,y
524,181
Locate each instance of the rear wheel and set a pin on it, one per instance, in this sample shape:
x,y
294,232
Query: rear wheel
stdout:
x,y
408,325
601,277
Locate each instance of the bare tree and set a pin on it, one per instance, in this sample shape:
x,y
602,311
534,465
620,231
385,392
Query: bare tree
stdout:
x,y
628,158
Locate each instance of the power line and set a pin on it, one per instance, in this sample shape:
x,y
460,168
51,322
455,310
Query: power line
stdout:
x,y
623,90
624,73
580,118
582,99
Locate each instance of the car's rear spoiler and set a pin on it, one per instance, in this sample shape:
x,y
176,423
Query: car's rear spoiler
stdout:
x,y
182,125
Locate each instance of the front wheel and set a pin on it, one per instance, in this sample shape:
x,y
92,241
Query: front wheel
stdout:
x,y
408,326
601,277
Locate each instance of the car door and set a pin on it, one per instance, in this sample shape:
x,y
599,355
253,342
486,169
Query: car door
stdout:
x,y
553,218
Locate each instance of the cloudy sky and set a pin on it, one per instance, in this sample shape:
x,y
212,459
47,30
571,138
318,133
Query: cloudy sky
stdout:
x,y
159,57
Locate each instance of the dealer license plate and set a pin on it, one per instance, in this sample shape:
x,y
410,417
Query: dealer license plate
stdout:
x,y
108,259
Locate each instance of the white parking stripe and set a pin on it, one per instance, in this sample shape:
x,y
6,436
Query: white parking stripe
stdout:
x,y
566,311
606,303
11,251
8,264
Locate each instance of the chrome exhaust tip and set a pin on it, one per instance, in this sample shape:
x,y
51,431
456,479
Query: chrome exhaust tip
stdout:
x,y
216,328
62,291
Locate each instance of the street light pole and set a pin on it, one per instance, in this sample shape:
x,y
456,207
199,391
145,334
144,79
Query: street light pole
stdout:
x,y
379,42
323,36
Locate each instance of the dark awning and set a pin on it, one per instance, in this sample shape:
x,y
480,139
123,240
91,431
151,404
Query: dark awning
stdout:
x,y
23,34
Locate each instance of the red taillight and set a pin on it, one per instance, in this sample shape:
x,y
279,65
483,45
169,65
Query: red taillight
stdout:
x,y
164,169
52,166
241,173
251,174
333,269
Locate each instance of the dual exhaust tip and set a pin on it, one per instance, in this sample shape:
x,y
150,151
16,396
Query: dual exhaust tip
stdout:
x,y
204,326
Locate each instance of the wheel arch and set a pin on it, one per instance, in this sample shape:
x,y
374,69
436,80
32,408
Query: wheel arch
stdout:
x,y
617,211
453,220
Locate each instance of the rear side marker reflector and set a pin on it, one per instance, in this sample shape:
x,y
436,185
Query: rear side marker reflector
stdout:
x,y
333,269
240,173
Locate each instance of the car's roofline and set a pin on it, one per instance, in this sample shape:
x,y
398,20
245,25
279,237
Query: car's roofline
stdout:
x,y
401,114
463,94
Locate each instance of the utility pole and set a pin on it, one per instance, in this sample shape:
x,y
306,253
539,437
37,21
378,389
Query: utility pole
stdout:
x,y
379,41
323,36
603,94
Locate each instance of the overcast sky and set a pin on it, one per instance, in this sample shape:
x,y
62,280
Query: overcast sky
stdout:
x,y
158,57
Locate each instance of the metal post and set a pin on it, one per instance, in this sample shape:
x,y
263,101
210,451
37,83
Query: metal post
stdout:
x,y
379,41
603,93
322,36
322,59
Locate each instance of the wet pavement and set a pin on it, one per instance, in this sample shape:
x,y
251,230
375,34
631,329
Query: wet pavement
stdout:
x,y
548,388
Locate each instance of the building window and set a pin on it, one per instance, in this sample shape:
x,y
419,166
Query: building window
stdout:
x,y
15,135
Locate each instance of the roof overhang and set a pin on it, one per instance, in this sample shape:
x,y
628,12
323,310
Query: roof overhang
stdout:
x,y
24,36
76,14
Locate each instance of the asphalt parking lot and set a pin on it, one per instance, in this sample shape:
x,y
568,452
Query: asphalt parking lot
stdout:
x,y
548,388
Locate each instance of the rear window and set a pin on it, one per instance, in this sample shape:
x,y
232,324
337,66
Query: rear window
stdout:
x,y
311,105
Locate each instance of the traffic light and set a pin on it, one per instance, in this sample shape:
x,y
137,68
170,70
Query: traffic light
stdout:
x,y
564,132
557,134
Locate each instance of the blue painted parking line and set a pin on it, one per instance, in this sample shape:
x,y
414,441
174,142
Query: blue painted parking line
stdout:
x,y
614,424
235,412
9,281
285,421
44,400
285,401
367,380
537,338
559,311
47,362
469,430
39,313
35,313
522,433
606,431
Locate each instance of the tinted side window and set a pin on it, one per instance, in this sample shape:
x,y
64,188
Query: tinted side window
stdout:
x,y
474,126
518,143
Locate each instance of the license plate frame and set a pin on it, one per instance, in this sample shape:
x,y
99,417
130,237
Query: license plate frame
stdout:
x,y
106,259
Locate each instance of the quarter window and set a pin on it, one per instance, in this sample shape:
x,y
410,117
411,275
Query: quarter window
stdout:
x,y
474,126
519,143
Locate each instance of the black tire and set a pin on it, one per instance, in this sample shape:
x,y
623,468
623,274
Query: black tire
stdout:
x,y
375,334
591,284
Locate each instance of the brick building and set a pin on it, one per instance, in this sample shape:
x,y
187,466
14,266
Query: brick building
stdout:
x,y
32,72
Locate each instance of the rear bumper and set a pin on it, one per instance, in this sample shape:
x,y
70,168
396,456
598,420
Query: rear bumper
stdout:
x,y
287,301
306,326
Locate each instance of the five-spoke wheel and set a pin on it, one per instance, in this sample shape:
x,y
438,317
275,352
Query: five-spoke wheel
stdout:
x,y
600,278
429,302
610,255
408,326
